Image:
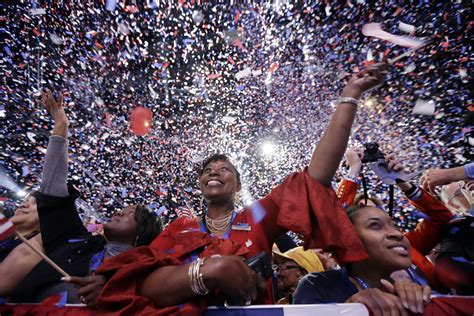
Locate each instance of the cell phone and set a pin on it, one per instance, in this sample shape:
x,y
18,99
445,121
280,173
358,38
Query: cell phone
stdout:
x,y
261,264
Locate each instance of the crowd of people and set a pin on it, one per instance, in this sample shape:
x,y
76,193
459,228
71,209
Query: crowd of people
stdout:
x,y
159,207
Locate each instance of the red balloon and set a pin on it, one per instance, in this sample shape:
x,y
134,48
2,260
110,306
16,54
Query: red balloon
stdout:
x,y
140,120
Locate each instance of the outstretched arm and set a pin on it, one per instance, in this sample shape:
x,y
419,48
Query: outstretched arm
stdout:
x,y
435,177
331,147
55,168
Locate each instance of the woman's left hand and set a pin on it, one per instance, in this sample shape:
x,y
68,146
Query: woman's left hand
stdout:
x,y
412,295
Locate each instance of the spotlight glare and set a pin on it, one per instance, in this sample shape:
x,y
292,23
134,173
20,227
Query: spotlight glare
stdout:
x,y
268,148
21,193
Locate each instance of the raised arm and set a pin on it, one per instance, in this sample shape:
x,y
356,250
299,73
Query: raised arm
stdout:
x,y
435,177
55,168
331,147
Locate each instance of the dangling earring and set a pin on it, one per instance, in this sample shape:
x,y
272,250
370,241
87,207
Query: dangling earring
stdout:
x,y
136,240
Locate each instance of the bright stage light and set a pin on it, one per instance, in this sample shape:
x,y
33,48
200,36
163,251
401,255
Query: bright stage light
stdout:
x,y
268,148
369,102
21,193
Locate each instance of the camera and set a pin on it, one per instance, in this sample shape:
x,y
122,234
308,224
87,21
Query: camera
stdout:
x,y
375,159
372,153
260,263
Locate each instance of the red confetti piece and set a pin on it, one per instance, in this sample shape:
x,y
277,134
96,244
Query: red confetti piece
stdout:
x,y
273,67
237,17
213,76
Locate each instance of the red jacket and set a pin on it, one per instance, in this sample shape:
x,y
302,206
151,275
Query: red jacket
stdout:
x,y
425,236
300,204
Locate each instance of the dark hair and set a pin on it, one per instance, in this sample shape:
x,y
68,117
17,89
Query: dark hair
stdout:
x,y
149,225
360,196
35,193
351,210
218,157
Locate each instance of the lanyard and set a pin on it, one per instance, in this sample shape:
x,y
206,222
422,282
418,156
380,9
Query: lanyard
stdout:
x,y
226,235
362,283
414,276
96,260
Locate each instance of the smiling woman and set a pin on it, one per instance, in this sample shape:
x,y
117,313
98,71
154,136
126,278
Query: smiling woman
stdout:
x,y
366,281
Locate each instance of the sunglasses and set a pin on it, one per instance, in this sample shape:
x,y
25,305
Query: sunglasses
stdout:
x,y
279,267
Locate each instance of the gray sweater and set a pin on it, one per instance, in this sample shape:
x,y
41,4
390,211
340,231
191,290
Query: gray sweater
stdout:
x,y
55,167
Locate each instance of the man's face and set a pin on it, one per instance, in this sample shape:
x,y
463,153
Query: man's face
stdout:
x,y
288,275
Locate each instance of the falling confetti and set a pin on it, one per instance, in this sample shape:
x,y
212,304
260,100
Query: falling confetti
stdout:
x,y
155,88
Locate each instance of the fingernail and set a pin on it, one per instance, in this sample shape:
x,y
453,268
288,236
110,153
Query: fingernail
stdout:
x,y
405,305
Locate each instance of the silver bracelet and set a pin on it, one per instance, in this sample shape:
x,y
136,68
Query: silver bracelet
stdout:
x,y
348,100
196,280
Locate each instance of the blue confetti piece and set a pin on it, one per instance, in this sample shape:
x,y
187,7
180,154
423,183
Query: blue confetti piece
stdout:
x,y
110,5
8,51
418,214
240,88
25,170
63,299
460,259
454,230
258,212
188,41
153,205
170,251
160,210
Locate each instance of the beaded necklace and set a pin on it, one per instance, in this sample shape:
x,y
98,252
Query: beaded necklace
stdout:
x,y
219,224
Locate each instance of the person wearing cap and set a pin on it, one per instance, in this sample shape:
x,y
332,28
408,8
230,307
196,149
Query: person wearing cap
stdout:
x,y
291,266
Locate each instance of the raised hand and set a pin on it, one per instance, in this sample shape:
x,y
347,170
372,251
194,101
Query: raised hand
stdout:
x,y
56,110
393,164
365,80
354,157
432,178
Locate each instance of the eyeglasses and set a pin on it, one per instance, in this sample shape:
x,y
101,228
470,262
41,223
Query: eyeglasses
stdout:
x,y
279,267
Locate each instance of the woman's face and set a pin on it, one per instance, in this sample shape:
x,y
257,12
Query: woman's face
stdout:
x,y
122,226
219,181
26,216
387,247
